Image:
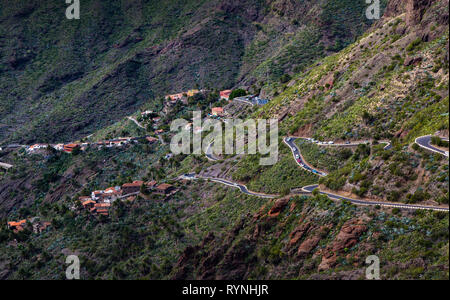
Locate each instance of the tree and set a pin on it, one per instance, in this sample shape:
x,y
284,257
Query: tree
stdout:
x,y
237,93
76,150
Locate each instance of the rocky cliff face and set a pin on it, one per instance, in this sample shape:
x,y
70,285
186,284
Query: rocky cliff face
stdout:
x,y
306,240
414,9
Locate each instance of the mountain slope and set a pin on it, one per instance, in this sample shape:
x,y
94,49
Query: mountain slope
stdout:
x,y
391,84
62,79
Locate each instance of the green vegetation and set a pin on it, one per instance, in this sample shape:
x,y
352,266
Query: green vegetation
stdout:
x,y
324,158
267,179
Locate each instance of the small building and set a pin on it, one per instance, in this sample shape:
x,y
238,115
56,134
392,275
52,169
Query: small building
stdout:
x,y
150,185
101,209
175,97
225,95
17,226
70,147
58,147
96,195
83,199
192,93
217,111
36,147
130,188
111,194
40,227
159,131
164,189
88,204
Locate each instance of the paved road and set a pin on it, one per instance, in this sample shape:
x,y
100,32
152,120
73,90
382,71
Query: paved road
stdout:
x,y
244,100
241,187
209,153
311,188
290,141
425,142
136,122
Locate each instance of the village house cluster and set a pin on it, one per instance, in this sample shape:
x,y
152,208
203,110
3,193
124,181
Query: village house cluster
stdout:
x,y
171,100
99,202
69,148
36,225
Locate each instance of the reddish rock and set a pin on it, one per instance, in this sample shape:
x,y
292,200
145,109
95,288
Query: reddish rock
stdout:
x,y
349,235
346,238
328,261
308,245
298,233
278,207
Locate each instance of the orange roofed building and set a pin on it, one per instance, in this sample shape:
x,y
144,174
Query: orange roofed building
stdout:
x,y
17,226
130,188
175,97
225,94
164,189
101,209
217,111
88,204
70,147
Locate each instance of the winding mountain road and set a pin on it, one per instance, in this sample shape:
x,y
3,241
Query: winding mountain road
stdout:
x,y
241,187
311,188
425,143
290,141
209,153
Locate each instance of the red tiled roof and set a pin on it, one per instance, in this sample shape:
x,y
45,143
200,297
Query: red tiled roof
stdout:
x,y
71,145
111,190
85,203
225,93
163,187
15,224
133,184
151,183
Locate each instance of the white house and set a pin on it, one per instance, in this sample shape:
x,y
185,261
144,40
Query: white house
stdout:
x,y
36,147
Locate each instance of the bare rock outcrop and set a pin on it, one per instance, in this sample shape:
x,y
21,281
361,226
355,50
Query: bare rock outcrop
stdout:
x,y
278,207
308,245
346,238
